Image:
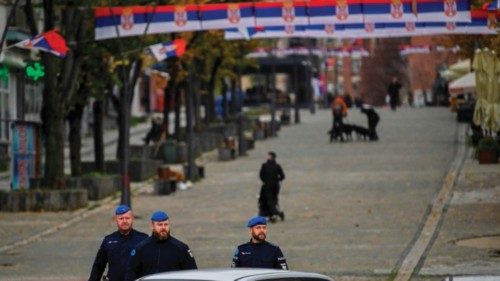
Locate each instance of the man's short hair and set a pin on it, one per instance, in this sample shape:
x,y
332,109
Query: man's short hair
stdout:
x,y
273,155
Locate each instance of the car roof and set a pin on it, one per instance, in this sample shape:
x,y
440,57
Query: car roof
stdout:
x,y
226,274
473,278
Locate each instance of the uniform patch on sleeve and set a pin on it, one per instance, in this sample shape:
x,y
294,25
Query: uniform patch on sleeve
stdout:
x,y
190,254
132,253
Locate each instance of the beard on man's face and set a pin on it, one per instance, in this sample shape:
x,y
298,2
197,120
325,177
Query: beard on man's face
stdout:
x,y
162,234
259,237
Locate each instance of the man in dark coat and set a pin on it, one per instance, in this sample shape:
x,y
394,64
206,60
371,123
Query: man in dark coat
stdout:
x,y
271,174
115,248
372,115
393,91
160,252
258,253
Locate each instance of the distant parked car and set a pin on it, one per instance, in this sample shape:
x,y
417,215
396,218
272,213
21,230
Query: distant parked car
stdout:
x,y
473,278
233,274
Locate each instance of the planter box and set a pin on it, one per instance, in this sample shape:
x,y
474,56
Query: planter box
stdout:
x,y
226,154
43,200
165,187
98,187
487,157
139,170
141,151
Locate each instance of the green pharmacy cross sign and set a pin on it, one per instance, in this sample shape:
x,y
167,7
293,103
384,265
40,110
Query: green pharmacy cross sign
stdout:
x,y
35,71
4,74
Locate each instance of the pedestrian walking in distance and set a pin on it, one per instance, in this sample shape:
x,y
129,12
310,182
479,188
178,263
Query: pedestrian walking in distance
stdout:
x,y
271,174
160,252
258,253
393,91
115,248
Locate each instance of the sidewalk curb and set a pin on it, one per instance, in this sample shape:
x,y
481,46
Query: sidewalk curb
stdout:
x,y
434,217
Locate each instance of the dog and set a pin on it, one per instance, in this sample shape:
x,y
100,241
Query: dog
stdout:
x,y
361,132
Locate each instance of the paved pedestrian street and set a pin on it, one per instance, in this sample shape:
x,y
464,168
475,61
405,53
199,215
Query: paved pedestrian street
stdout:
x,y
355,211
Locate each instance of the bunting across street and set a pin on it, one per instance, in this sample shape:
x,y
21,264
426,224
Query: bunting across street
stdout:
x,y
315,18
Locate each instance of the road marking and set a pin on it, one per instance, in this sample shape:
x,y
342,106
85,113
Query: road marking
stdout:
x,y
433,219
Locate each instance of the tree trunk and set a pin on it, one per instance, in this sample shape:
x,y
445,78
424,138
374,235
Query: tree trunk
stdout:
x,y
52,116
98,115
75,139
210,109
177,108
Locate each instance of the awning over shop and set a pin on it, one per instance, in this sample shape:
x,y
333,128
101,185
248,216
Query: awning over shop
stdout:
x,y
464,84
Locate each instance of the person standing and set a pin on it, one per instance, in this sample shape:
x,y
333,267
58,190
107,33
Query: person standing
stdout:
x,y
258,253
271,174
339,111
160,252
115,248
393,91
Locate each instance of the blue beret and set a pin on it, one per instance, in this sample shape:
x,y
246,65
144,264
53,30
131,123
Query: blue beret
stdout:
x,y
159,216
122,209
256,221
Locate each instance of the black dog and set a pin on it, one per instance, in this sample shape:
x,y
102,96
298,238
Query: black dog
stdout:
x,y
361,132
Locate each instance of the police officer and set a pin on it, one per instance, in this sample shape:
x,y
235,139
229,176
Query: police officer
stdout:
x,y
258,252
160,252
115,248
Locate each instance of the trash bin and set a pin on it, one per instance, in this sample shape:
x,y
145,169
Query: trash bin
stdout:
x,y
169,152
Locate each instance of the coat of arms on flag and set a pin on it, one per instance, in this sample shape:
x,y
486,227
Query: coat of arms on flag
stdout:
x,y
127,19
396,9
410,26
342,10
451,26
329,28
288,11
233,13
180,16
492,21
369,27
450,8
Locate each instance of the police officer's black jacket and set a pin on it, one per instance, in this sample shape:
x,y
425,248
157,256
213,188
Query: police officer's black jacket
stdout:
x,y
153,255
271,172
259,255
115,250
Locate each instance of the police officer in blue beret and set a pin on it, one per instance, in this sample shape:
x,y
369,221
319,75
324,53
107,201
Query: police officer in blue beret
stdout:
x,y
258,252
115,248
160,252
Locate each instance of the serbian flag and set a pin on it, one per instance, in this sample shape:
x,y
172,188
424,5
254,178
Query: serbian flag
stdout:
x,y
378,11
281,13
336,11
226,15
163,51
405,50
133,20
49,41
443,11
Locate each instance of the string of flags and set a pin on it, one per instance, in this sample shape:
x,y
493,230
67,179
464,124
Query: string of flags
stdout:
x,y
353,51
314,18
405,50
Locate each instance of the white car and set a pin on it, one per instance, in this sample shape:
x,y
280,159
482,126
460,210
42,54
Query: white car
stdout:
x,y
233,274
473,278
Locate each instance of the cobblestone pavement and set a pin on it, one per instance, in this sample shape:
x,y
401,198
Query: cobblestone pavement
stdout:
x,y
352,209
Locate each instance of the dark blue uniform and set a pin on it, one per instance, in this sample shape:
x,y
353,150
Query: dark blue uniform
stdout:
x,y
153,256
115,251
259,255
